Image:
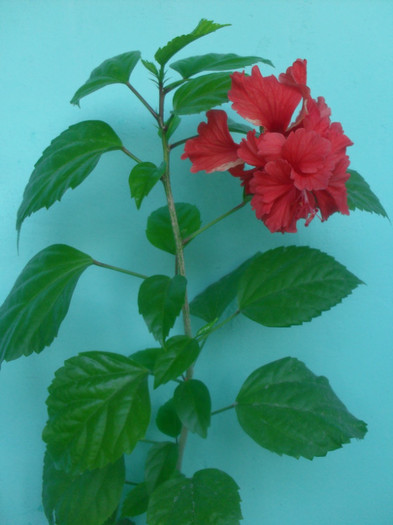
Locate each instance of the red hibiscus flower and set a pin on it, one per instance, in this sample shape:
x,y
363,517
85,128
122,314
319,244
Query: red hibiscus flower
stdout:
x,y
294,168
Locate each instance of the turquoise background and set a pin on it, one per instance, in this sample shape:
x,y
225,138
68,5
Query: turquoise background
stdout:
x,y
47,50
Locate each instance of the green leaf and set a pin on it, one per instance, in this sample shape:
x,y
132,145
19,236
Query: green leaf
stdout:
x,y
160,464
287,409
116,70
160,301
203,28
291,285
136,501
180,352
99,408
167,420
236,127
143,178
32,313
159,228
213,301
65,164
193,405
150,66
147,358
202,93
361,197
190,66
171,126
210,497
87,499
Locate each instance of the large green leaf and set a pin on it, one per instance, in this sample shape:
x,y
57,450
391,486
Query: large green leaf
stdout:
x,y
360,195
290,285
159,228
86,499
98,408
160,464
31,315
210,497
287,409
136,501
116,70
65,164
180,352
212,302
143,177
202,93
167,420
193,405
203,28
160,301
187,67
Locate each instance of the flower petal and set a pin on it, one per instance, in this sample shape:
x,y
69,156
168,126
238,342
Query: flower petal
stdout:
x,y
213,149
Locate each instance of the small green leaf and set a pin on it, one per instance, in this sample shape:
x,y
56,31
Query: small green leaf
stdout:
x,y
237,127
136,501
150,66
65,164
193,406
159,228
143,178
361,197
202,93
180,352
210,497
31,315
203,28
212,302
291,285
147,358
160,301
167,420
116,70
190,66
99,408
171,124
287,409
160,464
87,499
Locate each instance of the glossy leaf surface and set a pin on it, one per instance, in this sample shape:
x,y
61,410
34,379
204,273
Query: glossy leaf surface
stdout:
x,y
210,497
116,70
361,197
180,352
202,93
193,406
291,285
160,464
87,499
212,302
203,28
287,409
167,420
147,358
69,159
98,409
159,227
143,177
160,300
136,501
190,66
32,313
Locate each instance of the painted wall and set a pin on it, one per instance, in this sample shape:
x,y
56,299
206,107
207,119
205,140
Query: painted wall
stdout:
x,y
47,50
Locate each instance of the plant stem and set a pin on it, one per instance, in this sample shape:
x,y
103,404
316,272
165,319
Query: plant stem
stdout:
x,y
180,142
121,270
229,407
180,264
144,102
127,152
215,221
220,325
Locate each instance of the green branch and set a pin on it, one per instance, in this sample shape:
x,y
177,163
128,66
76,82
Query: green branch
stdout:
x,y
120,270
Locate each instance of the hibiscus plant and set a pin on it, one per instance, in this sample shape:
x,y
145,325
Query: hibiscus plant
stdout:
x,y
292,164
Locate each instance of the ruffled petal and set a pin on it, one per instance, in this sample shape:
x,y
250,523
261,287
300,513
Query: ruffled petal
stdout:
x,y
264,101
213,149
296,76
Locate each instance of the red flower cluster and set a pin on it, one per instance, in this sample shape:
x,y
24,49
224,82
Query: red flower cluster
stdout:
x,y
297,168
